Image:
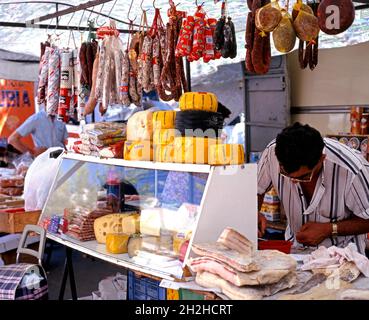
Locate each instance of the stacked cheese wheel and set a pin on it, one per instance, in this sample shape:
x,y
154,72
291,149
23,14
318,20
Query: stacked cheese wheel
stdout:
x,y
163,135
199,126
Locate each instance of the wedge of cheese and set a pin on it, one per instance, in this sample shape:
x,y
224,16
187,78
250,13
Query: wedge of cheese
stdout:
x,y
139,126
128,223
117,243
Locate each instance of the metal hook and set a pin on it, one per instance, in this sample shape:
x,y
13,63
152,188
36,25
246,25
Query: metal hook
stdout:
x,y
97,18
112,7
143,10
80,21
47,28
71,30
202,4
129,11
88,19
153,4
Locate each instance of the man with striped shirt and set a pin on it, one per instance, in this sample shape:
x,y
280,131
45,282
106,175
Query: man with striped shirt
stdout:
x,y
323,186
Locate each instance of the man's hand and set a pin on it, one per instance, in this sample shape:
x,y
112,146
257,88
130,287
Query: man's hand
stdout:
x,y
313,233
38,151
262,224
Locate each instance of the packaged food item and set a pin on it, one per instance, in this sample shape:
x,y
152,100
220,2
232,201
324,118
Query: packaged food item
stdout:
x,y
268,17
140,126
355,127
202,101
117,243
164,136
306,26
163,120
356,113
11,191
226,154
364,123
164,153
192,149
138,150
11,181
284,35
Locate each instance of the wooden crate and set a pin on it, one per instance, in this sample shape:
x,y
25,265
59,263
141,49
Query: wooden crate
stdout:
x,y
14,222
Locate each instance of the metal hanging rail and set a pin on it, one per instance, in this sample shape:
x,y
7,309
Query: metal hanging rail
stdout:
x,y
67,11
59,3
53,27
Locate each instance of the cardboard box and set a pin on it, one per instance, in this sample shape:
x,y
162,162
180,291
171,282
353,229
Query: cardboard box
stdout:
x,y
14,222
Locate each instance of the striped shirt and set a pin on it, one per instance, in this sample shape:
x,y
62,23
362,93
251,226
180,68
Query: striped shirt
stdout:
x,y
341,192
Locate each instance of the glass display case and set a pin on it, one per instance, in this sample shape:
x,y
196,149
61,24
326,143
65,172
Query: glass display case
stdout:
x,y
161,208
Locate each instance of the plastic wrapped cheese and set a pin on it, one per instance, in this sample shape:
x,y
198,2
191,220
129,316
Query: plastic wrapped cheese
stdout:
x,y
284,36
138,150
226,154
163,136
117,243
164,153
192,149
127,223
163,120
155,221
139,126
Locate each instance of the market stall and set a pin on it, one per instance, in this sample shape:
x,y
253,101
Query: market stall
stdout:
x,y
161,194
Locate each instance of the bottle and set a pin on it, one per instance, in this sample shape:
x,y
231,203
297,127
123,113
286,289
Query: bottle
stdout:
x,y
113,187
364,123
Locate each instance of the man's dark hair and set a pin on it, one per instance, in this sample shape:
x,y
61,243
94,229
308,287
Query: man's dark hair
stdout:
x,y
299,145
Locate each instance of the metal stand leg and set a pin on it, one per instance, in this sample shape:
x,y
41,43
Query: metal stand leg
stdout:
x,y
72,281
64,281
68,269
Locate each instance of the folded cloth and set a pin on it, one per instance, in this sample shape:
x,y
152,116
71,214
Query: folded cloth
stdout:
x,y
335,257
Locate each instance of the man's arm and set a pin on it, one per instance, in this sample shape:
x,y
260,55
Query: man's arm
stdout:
x,y
15,141
313,233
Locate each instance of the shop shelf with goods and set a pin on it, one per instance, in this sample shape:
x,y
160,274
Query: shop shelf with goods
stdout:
x,y
162,208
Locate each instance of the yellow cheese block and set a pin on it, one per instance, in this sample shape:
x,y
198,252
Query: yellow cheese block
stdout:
x,y
164,136
117,243
164,153
139,126
192,149
138,151
163,120
128,223
203,101
226,154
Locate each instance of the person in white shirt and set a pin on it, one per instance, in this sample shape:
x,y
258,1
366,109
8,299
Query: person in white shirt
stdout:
x,y
46,132
323,186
